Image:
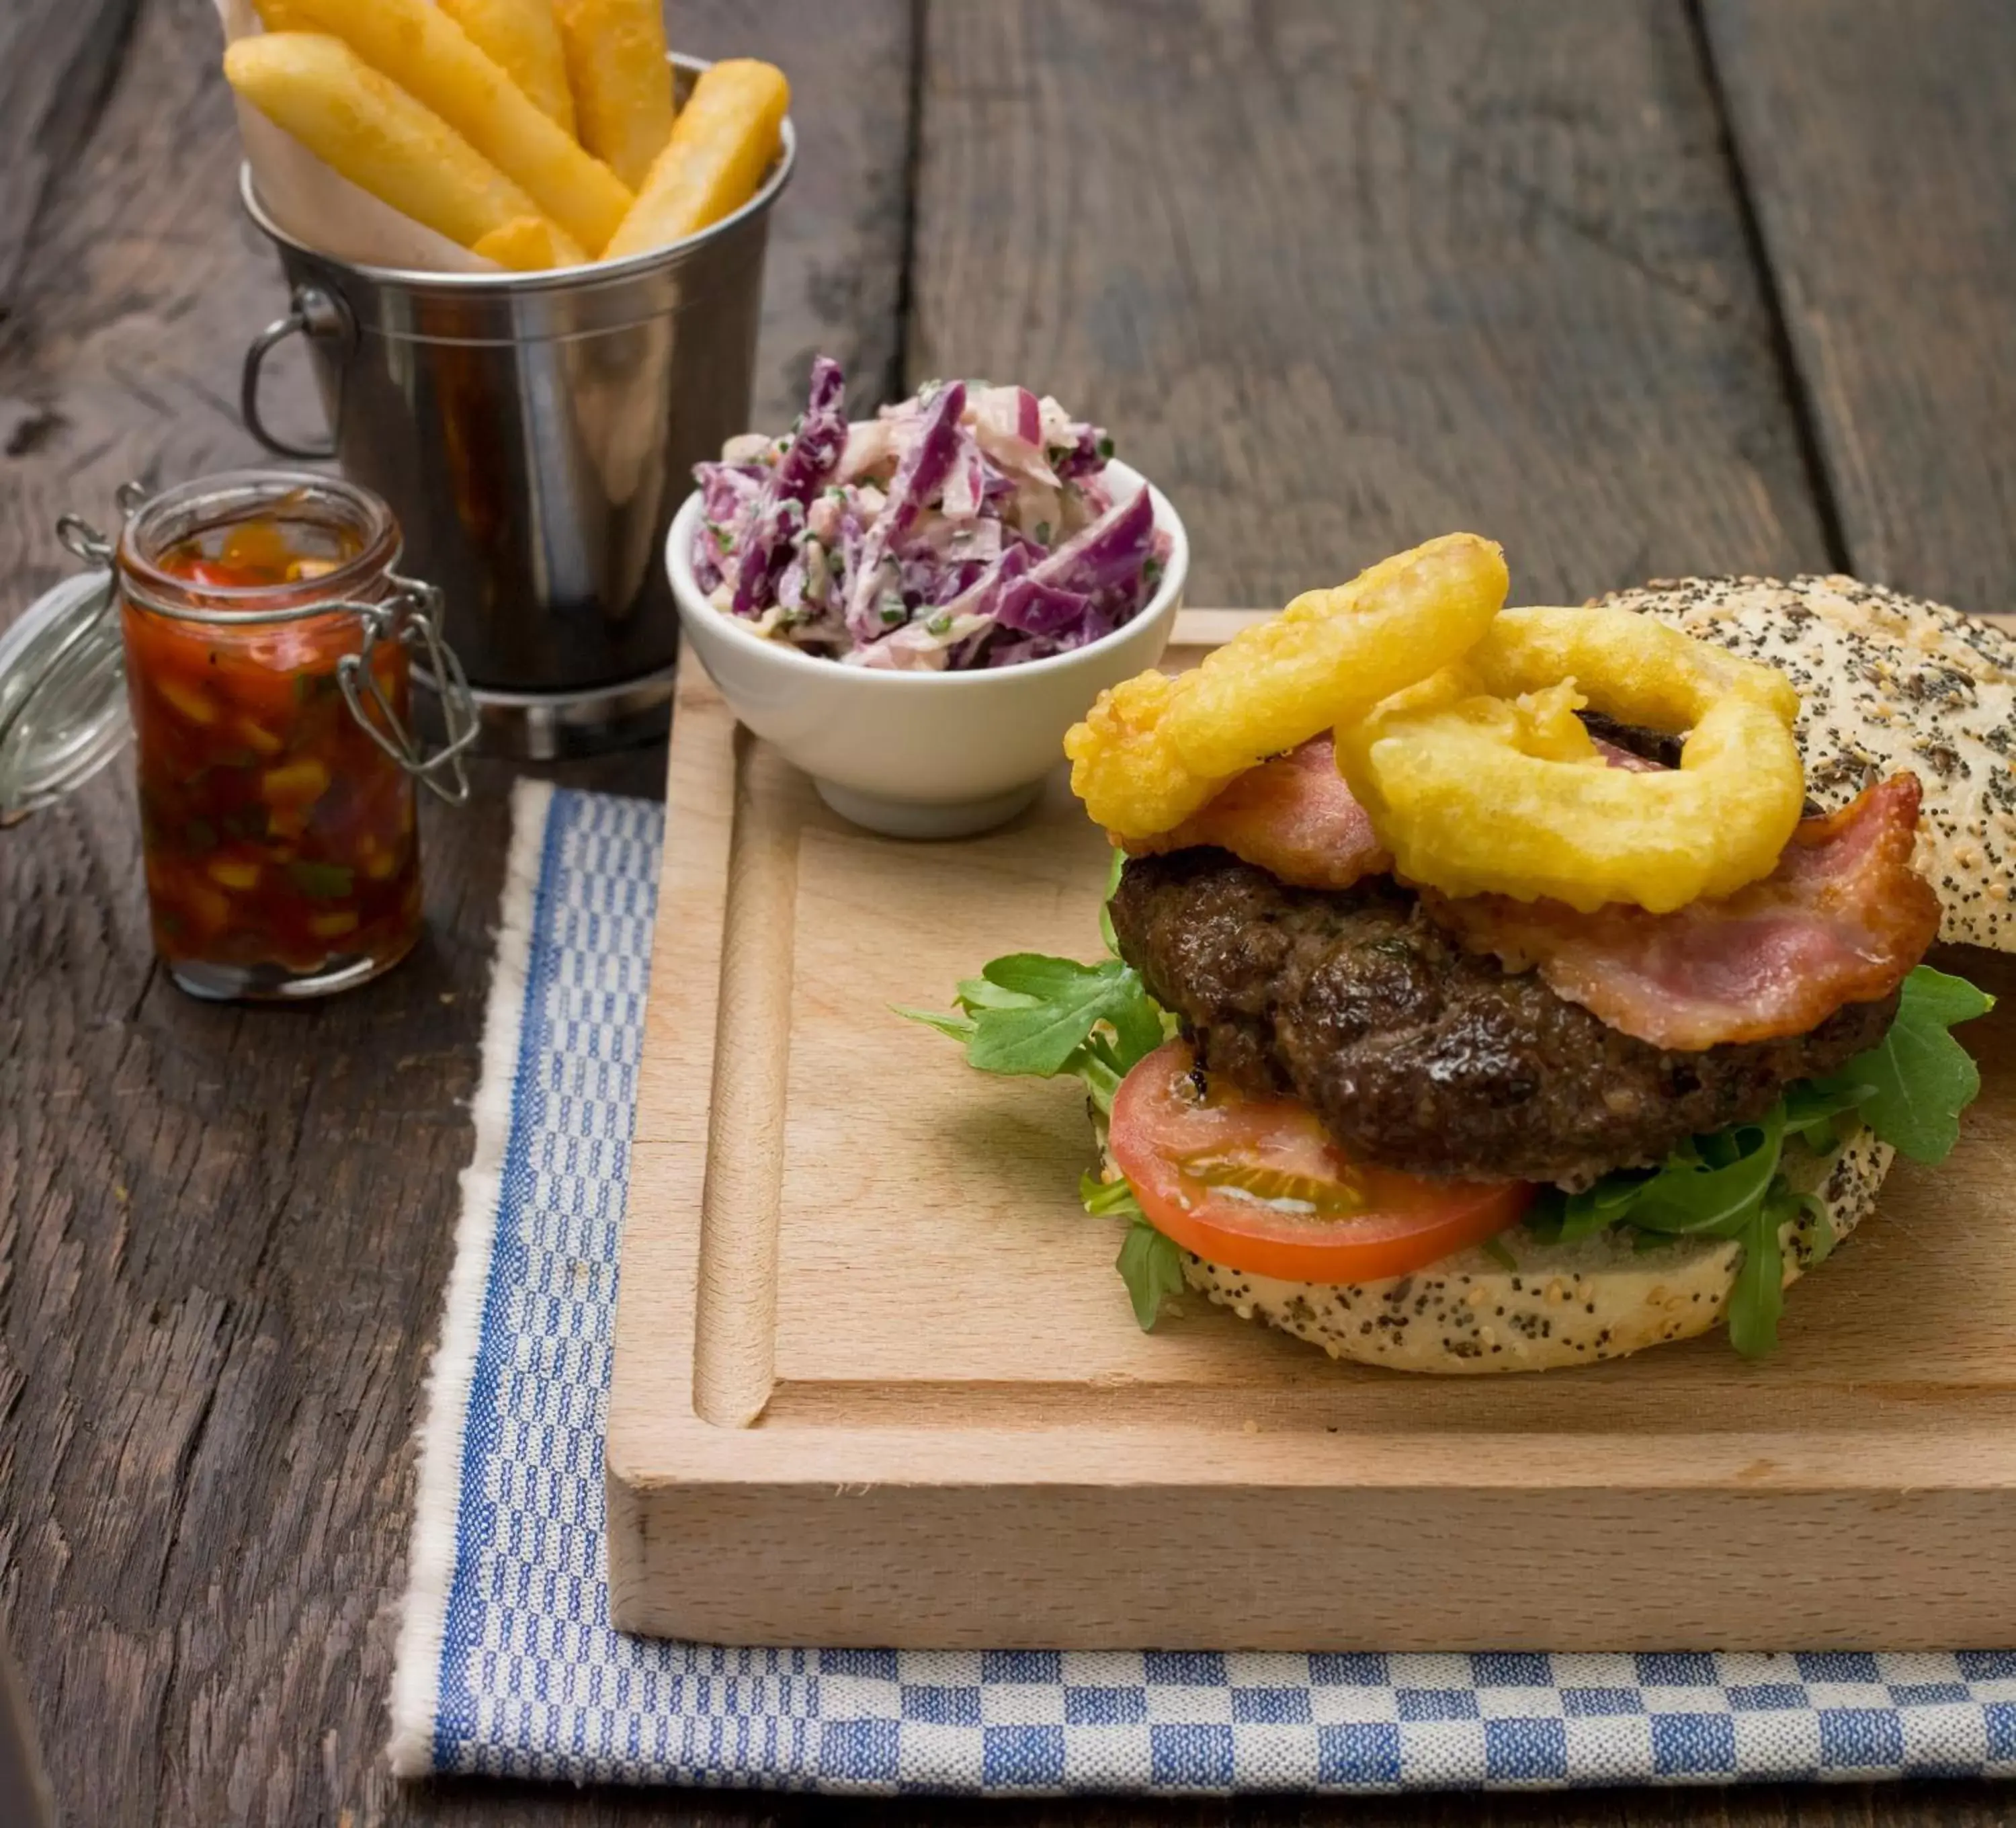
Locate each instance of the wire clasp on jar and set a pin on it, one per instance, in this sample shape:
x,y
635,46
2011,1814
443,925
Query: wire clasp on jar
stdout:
x,y
412,615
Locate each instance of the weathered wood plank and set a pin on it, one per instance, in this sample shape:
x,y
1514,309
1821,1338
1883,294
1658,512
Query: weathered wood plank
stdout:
x,y
1340,276
1875,139
833,279
1900,1805
223,1233
207,1379
57,58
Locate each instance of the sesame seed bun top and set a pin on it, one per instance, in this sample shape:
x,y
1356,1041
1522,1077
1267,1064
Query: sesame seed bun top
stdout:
x,y
1887,682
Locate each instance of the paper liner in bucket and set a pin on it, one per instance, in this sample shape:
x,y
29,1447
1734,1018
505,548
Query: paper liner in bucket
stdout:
x,y
316,204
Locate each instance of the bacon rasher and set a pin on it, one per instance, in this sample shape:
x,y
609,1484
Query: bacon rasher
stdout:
x,y
1293,817
1841,920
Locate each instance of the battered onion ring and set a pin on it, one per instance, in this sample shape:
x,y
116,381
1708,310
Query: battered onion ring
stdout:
x,y
1476,794
1154,749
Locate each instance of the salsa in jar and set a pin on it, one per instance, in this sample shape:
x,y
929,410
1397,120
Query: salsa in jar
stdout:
x,y
270,681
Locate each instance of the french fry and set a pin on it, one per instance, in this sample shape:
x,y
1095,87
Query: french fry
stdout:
x,y
522,38
622,85
418,46
722,145
529,244
370,129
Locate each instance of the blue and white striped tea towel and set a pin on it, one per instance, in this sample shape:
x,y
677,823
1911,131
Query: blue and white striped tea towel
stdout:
x,y
507,1664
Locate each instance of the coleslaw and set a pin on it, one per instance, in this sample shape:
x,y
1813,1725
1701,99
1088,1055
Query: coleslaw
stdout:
x,y
969,526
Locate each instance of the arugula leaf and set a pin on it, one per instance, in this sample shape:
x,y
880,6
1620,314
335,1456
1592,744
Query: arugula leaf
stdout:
x,y
1034,978
1149,1264
1718,1149
1715,1202
1812,1107
1029,1013
1065,1001
1920,1078
1138,1026
1102,1199
977,993
1941,997
1727,1186
946,1022
1105,902
1100,1077
1758,1297
1152,1268
1567,1218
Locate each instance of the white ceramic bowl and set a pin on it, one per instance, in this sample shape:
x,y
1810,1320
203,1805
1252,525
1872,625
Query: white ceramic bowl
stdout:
x,y
916,754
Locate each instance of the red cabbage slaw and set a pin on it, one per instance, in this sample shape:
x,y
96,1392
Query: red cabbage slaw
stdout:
x,y
969,526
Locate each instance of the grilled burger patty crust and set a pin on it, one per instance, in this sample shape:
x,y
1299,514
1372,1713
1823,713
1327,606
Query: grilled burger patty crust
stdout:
x,y
1423,1056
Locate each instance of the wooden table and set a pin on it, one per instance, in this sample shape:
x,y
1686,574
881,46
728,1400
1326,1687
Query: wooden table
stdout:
x,y
1639,287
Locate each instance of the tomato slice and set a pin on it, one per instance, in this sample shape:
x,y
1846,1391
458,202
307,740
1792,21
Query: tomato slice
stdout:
x,y
1257,1184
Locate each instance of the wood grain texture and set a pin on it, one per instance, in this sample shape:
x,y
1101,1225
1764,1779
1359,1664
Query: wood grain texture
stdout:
x,y
952,1378
223,1233
1907,1805
205,1384
832,281
731,1358
57,58
1875,139
1340,276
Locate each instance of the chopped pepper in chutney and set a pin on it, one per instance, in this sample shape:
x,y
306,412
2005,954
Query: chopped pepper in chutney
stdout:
x,y
279,836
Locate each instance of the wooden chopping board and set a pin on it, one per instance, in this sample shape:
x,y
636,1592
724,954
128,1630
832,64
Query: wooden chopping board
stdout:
x,y
876,1382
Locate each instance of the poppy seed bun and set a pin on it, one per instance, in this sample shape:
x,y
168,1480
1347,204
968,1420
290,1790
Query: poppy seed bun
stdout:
x,y
1887,681
1564,1304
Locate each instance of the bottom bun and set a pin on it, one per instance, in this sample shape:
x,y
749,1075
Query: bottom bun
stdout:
x,y
1564,1304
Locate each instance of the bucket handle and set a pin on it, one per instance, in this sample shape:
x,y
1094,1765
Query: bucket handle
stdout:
x,y
315,314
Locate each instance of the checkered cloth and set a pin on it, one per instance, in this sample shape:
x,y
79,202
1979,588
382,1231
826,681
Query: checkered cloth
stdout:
x,y
507,1663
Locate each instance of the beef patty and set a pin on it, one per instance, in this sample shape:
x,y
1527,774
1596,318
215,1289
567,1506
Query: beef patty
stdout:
x,y
1420,1055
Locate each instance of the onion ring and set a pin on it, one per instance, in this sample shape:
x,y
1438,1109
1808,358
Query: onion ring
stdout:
x,y
1470,782
1154,749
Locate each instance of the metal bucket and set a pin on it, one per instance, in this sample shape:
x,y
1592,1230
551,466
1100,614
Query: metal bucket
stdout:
x,y
534,433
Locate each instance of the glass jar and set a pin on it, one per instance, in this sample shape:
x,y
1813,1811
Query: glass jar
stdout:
x,y
267,645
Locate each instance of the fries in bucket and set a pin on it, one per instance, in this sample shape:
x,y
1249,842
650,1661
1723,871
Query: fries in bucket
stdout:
x,y
512,128
722,145
529,244
622,85
374,133
522,38
418,46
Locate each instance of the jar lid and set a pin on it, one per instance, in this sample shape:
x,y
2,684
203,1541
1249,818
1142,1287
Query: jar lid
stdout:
x,y
63,693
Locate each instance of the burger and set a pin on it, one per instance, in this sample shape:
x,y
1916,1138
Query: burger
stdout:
x,y
1501,989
